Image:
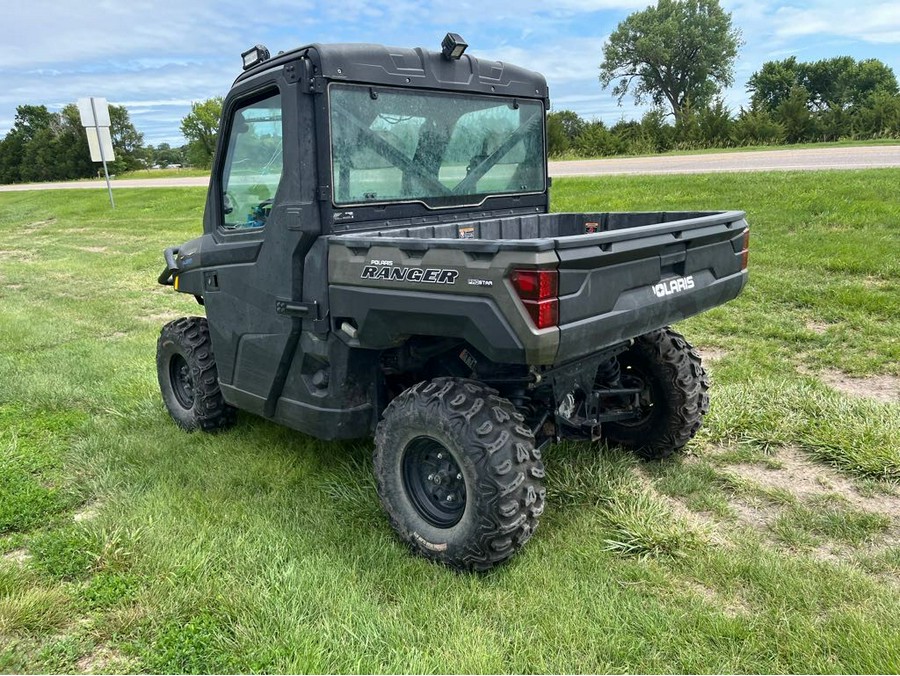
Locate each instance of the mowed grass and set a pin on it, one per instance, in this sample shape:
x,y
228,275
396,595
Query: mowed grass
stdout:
x,y
126,544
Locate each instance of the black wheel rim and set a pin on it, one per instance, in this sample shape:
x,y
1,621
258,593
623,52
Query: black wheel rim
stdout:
x,y
633,376
182,383
434,482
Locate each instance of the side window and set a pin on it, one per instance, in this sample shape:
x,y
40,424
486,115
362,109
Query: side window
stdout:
x,y
253,164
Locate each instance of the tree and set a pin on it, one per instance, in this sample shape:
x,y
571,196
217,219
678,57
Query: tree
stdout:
x,y
879,117
563,129
837,83
715,124
200,127
841,95
74,151
679,53
128,142
756,127
557,143
164,155
794,116
771,84
572,124
30,122
660,134
597,141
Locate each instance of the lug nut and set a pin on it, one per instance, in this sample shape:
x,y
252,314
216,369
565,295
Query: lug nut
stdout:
x,y
440,456
458,477
449,498
431,477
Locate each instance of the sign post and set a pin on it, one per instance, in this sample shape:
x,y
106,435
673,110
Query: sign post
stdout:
x,y
95,119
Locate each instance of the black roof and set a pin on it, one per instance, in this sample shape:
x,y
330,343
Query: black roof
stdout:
x,y
411,67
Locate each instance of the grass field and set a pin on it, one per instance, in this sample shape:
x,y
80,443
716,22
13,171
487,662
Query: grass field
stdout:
x,y
164,173
772,546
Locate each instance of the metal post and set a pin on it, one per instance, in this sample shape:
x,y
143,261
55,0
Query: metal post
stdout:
x,y
112,202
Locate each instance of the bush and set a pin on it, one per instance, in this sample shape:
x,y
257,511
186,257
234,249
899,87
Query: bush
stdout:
x,y
793,114
597,141
715,125
655,129
879,117
756,127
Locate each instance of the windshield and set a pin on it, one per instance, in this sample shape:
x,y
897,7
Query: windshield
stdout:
x,y
439,148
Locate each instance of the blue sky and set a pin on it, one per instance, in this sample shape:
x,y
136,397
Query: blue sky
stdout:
x,y
156,56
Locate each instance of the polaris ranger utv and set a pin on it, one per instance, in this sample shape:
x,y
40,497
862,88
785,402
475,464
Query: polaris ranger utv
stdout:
x,y
378,257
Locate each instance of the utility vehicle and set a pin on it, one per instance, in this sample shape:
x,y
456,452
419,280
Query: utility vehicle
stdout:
x,y
378,258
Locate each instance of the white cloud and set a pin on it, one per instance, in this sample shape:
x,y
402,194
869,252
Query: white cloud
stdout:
x,y
875,22
571,59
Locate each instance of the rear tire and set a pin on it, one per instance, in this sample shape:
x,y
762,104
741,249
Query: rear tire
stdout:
x,y
675,396
458,474
188,378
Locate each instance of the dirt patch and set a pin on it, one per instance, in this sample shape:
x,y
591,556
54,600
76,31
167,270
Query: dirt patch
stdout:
x,y
92,249
117,335
15,287
730,606
817,327
87,512
712,353
884,388
103,660
806,479
18,556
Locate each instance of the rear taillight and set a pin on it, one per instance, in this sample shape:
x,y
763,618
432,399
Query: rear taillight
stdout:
x,y
745,253
539,291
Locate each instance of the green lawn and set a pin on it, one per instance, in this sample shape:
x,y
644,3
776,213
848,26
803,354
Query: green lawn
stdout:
x,y
164,173
773,546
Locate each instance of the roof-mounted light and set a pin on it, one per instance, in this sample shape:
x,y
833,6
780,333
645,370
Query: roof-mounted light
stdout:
x,y
255,55
453,46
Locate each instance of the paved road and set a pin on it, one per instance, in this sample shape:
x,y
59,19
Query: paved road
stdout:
x,y
807,159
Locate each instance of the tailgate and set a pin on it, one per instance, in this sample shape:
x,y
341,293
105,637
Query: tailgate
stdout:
x,y
637,274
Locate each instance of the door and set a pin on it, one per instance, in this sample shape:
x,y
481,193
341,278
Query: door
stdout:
x,y
247,267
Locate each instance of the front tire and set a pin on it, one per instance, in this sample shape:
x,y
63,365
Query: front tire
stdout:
x,y
188,378
458,474
674,399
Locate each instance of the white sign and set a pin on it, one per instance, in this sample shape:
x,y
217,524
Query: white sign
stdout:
x,y
94,144
94,113
89,107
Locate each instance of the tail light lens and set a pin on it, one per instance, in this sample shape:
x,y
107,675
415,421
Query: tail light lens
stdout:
x,y
539,291
536,284
745,252
544,313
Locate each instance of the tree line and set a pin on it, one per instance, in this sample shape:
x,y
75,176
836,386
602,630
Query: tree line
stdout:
x,y
678,56
48,146
791,102
52,146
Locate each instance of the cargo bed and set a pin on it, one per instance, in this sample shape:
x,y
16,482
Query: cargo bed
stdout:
x,y
620,275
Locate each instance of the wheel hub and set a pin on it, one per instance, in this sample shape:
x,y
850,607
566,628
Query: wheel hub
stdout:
x,y
434,482
182,381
